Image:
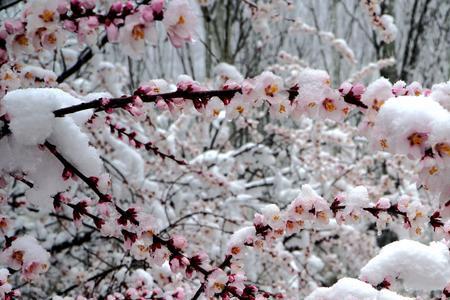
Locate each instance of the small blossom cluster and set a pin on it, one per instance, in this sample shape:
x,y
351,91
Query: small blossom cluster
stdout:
x,y
409,120
309,209
6,288
25,254
384,24
44,25
24,76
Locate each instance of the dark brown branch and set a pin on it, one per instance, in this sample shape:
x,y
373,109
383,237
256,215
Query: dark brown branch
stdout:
x,y
122,101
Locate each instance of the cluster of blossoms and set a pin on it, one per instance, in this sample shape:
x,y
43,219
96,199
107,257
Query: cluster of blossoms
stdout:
x,y
69,159
82,159
44,24
23,76
384,24
412,121
6,288
310,210
25,254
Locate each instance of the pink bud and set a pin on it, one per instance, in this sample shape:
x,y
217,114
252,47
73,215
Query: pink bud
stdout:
x,y
62,7
137,101
9,26
345,88
92,22
161,105
104,101
117,7
259,219
179,242
358,89
147,14
112,32
89,4
128,6
157,6
383,203
70,25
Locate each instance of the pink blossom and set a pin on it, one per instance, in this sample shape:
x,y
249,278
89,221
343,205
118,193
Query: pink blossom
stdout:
x,y
180,22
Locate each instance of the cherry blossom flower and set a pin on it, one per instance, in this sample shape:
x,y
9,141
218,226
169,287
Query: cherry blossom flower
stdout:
x,y
180,22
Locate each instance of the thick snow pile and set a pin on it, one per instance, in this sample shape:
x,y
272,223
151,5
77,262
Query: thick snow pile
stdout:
x,y
420,267
351,289
32,123
406,123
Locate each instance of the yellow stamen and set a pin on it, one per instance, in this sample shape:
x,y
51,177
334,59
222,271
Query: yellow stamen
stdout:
x,y
416,139
322,216
235,250
18,256
47,15
271,89
29,75
282,109
384,144
299,209
290,224
138,32
22,40
443,148
328,104
377,104
181,20
240,109
433,170
52,38
345,110
7,76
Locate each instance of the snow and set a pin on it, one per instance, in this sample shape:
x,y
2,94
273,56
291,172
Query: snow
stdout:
x,y
352,289
240,237
227,71
403,116
32,123
421,267
379,90
357,197
441,93
31,113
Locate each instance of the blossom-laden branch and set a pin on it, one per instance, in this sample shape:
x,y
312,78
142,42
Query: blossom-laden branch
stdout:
x,y
44,25
178,261
149,146
383,24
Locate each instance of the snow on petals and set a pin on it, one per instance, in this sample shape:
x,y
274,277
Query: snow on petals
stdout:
x,y
27,255
349,288
419,266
